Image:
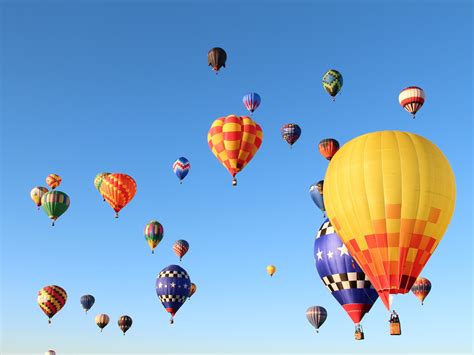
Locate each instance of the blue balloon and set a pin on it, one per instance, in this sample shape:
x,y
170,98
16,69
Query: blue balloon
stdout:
x,y
181,167
341,274
172,288
87,301
316,193
251,101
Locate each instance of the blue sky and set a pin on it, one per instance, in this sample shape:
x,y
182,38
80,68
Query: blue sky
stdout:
x,y
124,87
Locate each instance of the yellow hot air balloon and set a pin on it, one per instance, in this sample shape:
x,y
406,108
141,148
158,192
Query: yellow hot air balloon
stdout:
x,y
390,195
271,269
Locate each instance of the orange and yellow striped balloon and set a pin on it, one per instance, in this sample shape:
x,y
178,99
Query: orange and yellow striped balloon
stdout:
x,y
53,180
234,141
390,195
118,190
51,299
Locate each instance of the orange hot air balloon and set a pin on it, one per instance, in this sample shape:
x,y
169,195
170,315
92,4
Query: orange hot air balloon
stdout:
x,y
53,180
118,190
234,141
390,195
328,147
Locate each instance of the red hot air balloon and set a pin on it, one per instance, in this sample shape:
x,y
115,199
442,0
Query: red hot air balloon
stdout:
x,y
328,147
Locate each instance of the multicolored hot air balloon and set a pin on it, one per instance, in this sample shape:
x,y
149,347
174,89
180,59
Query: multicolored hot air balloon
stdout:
x,y
37,193
341,275
55,203
180,248
153,234
271,269
53,180
411,99
234,141
251,101
316,193
216,58
124,323
316,316
390,196
181,168
51,300
87,301
328,147
118,190
192,290
421,288
98,181
332,82
290,132
102,320
172,288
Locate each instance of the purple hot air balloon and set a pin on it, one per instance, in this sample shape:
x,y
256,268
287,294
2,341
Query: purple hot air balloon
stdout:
x,y
172,288
290,132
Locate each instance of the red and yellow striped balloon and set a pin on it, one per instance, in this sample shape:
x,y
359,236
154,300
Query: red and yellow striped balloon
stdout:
x,y
53,180
234,141
51,300
118,190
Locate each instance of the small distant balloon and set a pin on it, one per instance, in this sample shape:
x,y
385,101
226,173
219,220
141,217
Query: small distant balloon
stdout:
x,y
328,147
216,58
316,316
154,234
251,101
87,301
411,99
102,320
181,168
332,82
55,203
53,180
421,288
124,323
193,289
37,193
290,132
316,193
180,247
271,269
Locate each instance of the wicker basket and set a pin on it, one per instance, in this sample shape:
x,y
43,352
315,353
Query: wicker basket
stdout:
x,y
359,335
395,328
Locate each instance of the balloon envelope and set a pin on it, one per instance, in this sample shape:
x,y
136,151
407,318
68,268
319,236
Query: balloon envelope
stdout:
x,y
181,167
341,275
53,180
332,82
271,269
87,301
390,196
51,300
102,320
290,132
316,193
316,315
251,101
421,288
124,323
154,234
55,203
172,288
37,193
118,190
411,99
216,58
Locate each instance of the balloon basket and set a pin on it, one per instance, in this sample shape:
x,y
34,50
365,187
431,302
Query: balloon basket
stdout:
x,y
359,335
395,328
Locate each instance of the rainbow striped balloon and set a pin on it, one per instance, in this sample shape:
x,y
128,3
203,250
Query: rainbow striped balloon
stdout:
x,y
153,234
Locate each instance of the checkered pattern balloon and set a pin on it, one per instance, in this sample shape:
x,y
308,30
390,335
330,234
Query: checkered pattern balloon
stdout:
x,y
118,190
341,275
51,300
234,141
332,82
173,287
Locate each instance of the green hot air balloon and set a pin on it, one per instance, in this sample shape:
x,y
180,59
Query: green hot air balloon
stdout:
x,y
332,82
98,181
55,203
153,234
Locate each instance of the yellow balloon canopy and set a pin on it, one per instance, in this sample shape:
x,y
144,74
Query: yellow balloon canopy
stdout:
x,y
390,195
271,269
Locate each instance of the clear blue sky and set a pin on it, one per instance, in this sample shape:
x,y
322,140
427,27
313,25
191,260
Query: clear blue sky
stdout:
x,y
91,86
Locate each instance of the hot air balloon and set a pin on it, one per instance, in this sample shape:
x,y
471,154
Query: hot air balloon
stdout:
x,y
316,193
37,193
98,181
153,234
234,141
50,352
328,147
342,276
87,301
390,195
193,289
251,101
118,190
51,300
332,82
102,320
53,180
216,58
172,288
421,288
271,269
411,99
290,132
180,248
181,168
316,316
124,323
55,203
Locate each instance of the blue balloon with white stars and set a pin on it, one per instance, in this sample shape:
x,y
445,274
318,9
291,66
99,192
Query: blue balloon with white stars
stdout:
x,y
341,274
172,288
